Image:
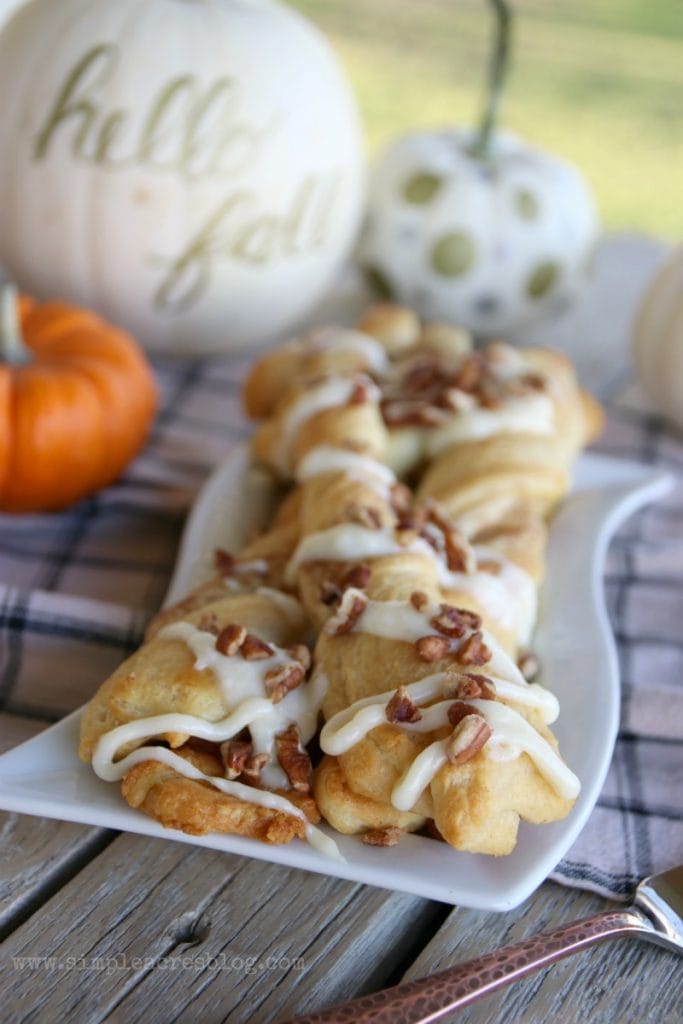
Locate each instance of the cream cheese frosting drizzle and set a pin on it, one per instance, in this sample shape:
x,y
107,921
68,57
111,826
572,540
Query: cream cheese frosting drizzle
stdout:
x,y
511,734
344,339
242,686
113,771
328,459
332,392
529,414
350,542
401,621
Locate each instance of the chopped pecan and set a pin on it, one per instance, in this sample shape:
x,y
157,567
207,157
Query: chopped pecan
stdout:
x,y
330,592
230,639
459,555
419,599
358,576
280,680
458,710
352,606
255,649
294,759
470,686
455,622
235,754
473,651
400,707
253,766
469,736
433,648
223,561
388,836
302,654
210,623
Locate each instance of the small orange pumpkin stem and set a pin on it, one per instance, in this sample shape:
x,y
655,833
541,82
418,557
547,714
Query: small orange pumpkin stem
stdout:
x,y
12,348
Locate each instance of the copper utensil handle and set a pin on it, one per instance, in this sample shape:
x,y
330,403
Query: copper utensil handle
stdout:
x,y
429,999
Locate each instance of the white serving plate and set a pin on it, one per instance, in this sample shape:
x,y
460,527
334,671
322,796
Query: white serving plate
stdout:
x,y
577,652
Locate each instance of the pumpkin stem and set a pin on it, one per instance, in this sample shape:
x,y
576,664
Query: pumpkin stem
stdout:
x,y
500,59
12,348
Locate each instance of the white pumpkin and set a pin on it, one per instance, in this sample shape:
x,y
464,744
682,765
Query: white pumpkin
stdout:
x,y
190,168
493,244
658,339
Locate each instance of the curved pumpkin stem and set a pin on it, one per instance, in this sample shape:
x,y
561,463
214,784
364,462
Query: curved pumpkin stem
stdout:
x,y
12,348
498,70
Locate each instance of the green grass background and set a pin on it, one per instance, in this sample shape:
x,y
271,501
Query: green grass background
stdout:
x,y
599,82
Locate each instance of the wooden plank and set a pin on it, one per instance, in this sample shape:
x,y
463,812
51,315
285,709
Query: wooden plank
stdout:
x,y
198,934
626,981
37,856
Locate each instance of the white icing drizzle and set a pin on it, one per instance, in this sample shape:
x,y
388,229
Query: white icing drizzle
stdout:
x,y
110,771
240,679
509,729
344,339
328,459
327,394
511,734
242,686
530,414
350,542
507,597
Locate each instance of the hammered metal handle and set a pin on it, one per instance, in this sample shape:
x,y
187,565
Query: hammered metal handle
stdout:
x,y
431,998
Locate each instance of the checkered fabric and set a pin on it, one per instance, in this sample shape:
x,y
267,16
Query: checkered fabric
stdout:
x,y
77,588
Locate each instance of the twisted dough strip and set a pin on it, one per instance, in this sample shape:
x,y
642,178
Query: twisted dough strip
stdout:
x,y
231,662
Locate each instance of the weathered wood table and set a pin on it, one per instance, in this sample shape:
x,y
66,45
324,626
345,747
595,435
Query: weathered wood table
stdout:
x,y
105,926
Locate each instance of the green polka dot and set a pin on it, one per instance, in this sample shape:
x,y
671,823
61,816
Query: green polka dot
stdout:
x,y
527,204
421,188
378,282
453,254
542,279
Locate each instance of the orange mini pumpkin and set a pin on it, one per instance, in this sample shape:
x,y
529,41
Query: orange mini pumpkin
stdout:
x,y
77,397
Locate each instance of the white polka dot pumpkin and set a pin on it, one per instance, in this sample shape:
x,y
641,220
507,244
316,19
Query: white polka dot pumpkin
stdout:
x,y
494,245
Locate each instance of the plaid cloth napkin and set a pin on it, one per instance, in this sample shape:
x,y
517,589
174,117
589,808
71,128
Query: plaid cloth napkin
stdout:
x,y
77,588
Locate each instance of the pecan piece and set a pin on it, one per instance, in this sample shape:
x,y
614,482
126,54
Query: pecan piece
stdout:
x,y
210,623
419,600
400,707
294,759
235,754
301,653
254,765
455,622
470,686
255,649
473,651
280,680
230,639
358,576
388,836
353,604
433,648
223,561
330,593
469,736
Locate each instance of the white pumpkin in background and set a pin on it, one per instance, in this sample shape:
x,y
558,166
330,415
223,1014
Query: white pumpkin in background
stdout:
x,y
192,169
491,244
658,339
479,227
